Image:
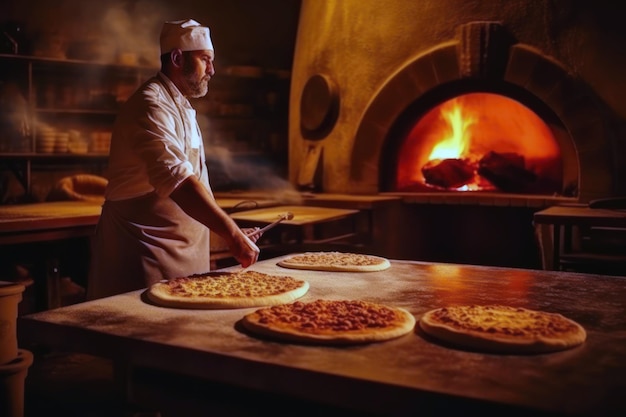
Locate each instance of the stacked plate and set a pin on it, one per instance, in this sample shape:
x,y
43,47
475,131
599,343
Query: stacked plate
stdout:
x,y
77,144
46,139
100,142
61,143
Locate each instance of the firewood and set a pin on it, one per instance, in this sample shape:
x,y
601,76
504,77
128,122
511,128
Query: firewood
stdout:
x,y
448,173
506,171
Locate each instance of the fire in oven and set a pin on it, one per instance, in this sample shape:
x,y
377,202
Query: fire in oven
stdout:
x,y
468,138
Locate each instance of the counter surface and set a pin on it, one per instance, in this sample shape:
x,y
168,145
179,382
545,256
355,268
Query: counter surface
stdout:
x,y
27,223
404,376
581,215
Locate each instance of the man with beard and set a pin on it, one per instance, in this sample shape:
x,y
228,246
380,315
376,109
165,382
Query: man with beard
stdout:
x,y
159,206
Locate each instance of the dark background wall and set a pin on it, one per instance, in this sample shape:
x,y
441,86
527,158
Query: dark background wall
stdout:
x,y
244,32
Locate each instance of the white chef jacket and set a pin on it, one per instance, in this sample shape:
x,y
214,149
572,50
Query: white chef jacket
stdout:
x,y
143,236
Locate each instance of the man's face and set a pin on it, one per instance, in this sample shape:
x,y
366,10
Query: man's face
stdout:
x,y
197,71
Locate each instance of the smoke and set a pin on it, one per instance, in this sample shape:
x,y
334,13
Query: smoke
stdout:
x,y
103,30
134,29
111,31
232,172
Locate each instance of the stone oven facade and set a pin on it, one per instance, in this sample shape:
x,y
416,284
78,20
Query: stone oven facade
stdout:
x,y
362,67
376,59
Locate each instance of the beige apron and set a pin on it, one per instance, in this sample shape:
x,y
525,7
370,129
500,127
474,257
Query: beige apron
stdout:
x,y
143,240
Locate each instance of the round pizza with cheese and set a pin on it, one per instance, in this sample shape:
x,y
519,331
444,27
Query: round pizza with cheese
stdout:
x,y
330,322
335,261
216,290
501,328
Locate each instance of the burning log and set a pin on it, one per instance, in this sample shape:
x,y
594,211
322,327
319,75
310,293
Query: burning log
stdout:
x,y
448,173
506,171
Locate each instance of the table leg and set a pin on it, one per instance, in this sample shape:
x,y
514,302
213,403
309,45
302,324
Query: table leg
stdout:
x,y
556,248
53,284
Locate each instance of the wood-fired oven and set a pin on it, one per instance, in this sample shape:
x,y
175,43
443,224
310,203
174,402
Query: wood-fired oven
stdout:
x,y
476,113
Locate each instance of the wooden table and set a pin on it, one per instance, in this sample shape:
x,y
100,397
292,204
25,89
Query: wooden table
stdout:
x,y
192,361
309,225
27,223
365,223
24,224
566,217
47,223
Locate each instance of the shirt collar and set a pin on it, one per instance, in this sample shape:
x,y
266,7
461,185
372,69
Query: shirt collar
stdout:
x,y
177,96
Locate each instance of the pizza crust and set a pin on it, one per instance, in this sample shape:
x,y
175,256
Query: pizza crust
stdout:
x,y
502,329
335,262
403,324
160,293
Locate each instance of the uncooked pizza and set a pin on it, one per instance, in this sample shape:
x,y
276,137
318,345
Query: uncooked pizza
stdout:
x,y
500,328
222,289
330,322
335,261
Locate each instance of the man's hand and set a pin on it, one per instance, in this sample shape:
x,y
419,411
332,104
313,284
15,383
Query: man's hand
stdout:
x,y
252,233
244,250
198,202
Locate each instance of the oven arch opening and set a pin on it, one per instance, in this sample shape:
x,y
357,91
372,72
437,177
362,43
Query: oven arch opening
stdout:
x,y
474,135
528,69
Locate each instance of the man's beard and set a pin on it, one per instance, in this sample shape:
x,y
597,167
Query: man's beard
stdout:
x,y
195,87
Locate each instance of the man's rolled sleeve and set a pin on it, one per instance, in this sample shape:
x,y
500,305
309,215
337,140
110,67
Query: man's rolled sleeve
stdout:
x,y
165,184
161,147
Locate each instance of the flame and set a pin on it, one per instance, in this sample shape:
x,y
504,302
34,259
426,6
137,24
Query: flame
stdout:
x,y
470,126
456,145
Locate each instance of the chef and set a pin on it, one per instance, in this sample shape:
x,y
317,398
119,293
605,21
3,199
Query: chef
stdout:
x,y
159,206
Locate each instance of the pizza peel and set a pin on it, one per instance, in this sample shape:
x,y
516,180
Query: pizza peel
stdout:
x,y
284,216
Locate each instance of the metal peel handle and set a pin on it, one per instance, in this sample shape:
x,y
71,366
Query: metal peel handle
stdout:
x,y
285,216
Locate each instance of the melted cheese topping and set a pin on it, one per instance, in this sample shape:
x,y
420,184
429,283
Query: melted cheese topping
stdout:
x,y
505,320
334,258
330,315
232,285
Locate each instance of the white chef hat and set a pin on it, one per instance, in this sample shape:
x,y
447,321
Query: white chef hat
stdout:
x,y
186,35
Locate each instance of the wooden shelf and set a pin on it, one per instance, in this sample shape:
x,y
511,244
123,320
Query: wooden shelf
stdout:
x,y
111,112
51,156
49,87
73,94
73,62
21,163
